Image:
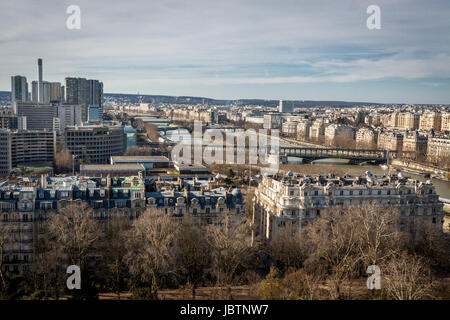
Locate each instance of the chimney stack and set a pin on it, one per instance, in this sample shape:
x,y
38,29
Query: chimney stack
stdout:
x,y
40,83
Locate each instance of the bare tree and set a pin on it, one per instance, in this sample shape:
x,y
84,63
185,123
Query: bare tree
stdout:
x,y
152,131
333,244
5,239
193,253
230,246
286,249
63,160
114,250
150,250
74,229
378,232
405,278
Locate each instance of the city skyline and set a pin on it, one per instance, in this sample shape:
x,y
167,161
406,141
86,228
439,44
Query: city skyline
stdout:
x,y
290,50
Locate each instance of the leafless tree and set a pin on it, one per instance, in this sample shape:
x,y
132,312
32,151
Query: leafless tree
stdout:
x,y
230,246
116,229
63,160
286,249
47,271
378,232
193,253
6,237
334,249
405,277
152,131
74,229
150,250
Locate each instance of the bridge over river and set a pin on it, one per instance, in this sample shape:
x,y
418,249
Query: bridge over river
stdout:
x,y
355,156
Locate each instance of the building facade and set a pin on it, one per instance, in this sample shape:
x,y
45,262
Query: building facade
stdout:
x,y
291,200
95,143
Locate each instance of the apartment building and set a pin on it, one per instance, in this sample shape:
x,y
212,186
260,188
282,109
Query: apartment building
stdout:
x,y
295,200
289,128
303,130
407,120
273,121
317,130
430,121
366,138
415,142
445,122
389,140
438,150
337,131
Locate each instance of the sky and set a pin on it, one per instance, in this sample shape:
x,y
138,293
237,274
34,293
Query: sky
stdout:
x,y
265,49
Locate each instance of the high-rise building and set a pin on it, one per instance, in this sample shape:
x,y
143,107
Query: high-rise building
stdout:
x,y
95,93
282,106
76,93
34,91
19,89
84,92
55,92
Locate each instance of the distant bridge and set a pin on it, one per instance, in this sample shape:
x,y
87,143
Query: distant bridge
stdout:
x,y
309,154
355,156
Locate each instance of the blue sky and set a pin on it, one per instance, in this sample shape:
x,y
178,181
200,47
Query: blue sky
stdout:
x,y
277,49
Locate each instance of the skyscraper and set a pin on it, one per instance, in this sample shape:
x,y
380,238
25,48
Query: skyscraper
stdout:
x,y
19,89
84,92
55,92
95,93
76,93
281,107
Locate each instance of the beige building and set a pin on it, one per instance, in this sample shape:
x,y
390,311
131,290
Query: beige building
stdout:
x,y
336,131
445,122
430,120
366,138
408,120
303,130
390,141
438,151
417,143
290,200
317,130
290,128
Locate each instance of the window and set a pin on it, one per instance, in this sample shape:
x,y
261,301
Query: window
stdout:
x,y
316,193
351,192
194,211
